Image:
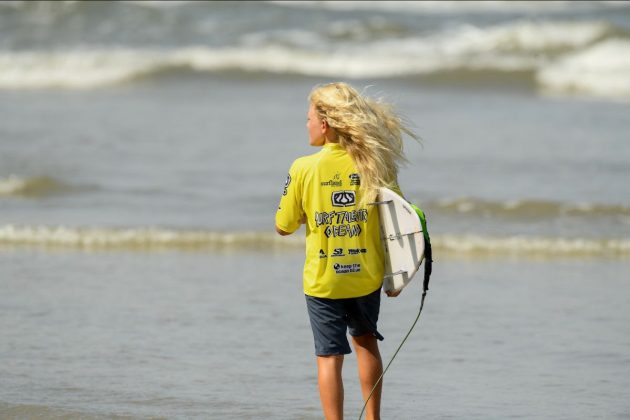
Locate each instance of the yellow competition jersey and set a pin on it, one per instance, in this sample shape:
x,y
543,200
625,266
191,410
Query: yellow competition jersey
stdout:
x,y
344,256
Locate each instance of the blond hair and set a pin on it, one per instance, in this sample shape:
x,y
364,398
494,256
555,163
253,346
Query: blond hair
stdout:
x,y
368,129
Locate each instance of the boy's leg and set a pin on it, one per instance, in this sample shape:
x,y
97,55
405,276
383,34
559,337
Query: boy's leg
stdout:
x,y
330,385
370,369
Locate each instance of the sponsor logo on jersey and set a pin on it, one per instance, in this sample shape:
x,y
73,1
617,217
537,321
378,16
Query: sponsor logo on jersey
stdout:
x,y
322,254
338,252
335,182
355,179
343,198
347,268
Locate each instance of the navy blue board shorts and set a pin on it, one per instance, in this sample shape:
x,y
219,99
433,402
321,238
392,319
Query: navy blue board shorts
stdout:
x,y
330,318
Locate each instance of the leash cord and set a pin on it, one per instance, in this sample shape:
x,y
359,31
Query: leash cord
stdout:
x,y
424,293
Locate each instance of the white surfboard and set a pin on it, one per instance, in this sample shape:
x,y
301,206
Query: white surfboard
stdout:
x,y
402,237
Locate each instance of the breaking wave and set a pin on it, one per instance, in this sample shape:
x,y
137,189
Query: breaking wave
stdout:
x,y
30,187
601,70
155,239
448,6
560,56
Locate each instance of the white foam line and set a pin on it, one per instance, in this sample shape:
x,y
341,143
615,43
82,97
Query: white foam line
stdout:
x,y
431,6
93,238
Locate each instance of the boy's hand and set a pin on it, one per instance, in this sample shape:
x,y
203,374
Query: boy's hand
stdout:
x,y
393,293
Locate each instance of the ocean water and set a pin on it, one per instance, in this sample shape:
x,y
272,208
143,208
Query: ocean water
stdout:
x,y
225,335
143,150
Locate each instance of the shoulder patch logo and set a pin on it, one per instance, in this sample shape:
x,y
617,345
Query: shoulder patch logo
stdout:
x,y
286,184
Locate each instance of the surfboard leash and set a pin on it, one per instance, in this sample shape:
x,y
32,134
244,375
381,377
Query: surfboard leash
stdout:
x,y
428,269
424,293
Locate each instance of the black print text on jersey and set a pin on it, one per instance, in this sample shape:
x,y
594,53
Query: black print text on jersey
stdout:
x,y
347,268
335,182
342,230
339,217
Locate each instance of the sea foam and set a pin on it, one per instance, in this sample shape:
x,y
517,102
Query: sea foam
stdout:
x,y
561,56
601,70
161,239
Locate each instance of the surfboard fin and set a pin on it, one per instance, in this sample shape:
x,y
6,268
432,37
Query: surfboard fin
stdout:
x,y
389,279
400,235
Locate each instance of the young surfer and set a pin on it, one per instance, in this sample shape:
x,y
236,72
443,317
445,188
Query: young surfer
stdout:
x,y
330,192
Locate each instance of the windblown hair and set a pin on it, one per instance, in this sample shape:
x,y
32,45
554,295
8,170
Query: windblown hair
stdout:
x,y
368,129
